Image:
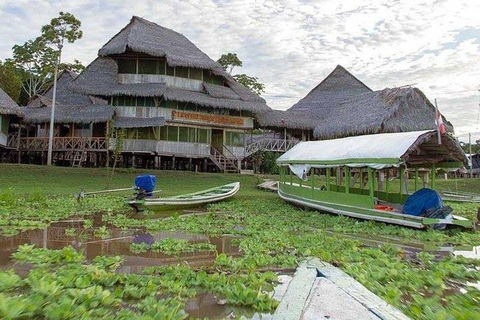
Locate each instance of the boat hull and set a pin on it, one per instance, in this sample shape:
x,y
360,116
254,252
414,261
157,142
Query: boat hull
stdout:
x,y
370,214
191,200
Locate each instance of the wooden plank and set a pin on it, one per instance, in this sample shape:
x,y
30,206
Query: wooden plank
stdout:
x,y
328,301
356,290
293,302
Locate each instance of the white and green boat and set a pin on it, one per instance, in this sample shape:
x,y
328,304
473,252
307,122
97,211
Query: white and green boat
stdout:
x,y
352,176
191,199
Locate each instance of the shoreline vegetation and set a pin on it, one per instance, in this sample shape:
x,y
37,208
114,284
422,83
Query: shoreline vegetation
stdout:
x,y
270,235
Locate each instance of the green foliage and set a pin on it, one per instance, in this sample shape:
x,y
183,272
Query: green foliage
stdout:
x,y
172,246
10,80
63,28
229,61
251,83
35,60
102,232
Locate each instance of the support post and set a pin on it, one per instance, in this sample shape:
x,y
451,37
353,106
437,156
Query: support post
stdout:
x,y
432,178
347,180
327,177
370,182
52,113
416,179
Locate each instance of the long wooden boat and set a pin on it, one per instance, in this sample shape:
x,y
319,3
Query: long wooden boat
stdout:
x,y
197,198
351,176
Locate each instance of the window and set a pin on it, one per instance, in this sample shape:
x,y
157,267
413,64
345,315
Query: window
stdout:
x,y
172,133
131,133
129,101
140,102
170,70
4,124
183,134
149,102
182,105
145,133
181,72
192,134
147,66
171,104
82,126
217,80
163,133
161,66
127,66
203,136
196,73
234,139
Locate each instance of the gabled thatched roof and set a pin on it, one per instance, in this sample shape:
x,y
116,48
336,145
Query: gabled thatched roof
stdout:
x,y
130,122
335,88
8,106
388,110
143,36
70,106
307,113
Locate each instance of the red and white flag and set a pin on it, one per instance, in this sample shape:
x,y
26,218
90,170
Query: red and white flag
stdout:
x,y
440,124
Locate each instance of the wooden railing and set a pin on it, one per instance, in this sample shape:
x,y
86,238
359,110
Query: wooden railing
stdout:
x,y
12,141
223,163
61,143
275,145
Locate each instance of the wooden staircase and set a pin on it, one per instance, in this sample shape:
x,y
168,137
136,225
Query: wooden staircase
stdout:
x,y
226,165
79,156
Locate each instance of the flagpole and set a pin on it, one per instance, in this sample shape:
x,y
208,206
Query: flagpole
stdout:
x,y
439,136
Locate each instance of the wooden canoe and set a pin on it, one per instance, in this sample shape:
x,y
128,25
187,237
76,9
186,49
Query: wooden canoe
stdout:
x,y
197,198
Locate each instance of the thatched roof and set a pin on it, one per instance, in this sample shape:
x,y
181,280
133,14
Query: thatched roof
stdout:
x,y
335,88
388,110
285,119
70,106
70,114
207,100
144,36
307,113
130,122
8,106
100,78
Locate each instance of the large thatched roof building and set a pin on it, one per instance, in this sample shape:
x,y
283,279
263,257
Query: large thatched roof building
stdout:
x,y
171,98
342,105
8,109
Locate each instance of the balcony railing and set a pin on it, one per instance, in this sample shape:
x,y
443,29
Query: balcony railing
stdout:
x,y
59,144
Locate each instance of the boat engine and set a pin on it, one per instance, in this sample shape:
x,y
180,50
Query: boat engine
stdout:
x,y
144,186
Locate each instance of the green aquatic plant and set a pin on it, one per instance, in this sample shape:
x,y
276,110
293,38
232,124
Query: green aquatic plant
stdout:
x,y
102,232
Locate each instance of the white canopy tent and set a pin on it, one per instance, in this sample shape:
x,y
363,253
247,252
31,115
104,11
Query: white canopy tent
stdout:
x,y
376,151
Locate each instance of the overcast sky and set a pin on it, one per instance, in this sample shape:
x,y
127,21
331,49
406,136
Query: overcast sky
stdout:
x,y
292,45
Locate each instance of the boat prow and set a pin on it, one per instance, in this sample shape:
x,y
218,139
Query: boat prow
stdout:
x,y
192,199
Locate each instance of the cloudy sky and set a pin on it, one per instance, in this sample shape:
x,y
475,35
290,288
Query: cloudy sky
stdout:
x,y
292,45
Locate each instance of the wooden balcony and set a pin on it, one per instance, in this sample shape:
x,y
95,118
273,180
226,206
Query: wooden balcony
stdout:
x,y
59,144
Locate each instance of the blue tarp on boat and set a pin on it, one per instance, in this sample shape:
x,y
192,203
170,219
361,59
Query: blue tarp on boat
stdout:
x,y
421,201
146,182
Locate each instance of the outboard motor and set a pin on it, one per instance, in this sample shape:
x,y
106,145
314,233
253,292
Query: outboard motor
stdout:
x,y
145,185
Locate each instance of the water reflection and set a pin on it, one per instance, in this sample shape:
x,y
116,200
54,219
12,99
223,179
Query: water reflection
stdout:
x,y
117,243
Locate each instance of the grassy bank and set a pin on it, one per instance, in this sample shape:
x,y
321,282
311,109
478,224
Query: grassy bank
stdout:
x,y
269,232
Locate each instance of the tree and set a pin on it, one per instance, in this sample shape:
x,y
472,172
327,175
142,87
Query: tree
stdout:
x,y
10,81
63,28
36,59
251,83
230,61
